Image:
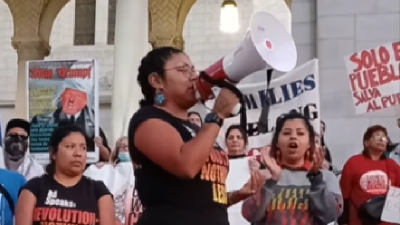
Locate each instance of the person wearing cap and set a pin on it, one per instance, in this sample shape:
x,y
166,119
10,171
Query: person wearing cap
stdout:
x,y
16,144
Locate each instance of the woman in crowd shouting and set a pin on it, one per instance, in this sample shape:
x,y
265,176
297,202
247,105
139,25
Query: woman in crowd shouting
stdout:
x,y
180,174
64,195
366,178
297,192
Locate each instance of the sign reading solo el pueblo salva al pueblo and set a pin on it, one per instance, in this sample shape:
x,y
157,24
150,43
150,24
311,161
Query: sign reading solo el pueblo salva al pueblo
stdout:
x,y
374,77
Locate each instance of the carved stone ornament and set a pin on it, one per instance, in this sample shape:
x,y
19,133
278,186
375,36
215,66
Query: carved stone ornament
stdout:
x,y
166,21
31,49
163,40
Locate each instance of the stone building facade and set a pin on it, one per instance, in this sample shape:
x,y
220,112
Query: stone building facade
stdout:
x,y
323,29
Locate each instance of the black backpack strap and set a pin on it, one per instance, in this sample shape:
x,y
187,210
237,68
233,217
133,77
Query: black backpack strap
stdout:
x,y
7,195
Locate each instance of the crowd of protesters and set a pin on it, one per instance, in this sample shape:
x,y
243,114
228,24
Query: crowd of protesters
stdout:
x,y
180,171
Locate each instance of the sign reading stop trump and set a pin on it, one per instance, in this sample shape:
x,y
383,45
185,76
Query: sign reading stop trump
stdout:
x,y
374,77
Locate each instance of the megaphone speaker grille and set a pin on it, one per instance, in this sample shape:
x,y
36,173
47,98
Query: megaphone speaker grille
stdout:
x,y
273,42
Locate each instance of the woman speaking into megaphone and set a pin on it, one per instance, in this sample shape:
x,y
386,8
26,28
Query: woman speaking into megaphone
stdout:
x,y
180,174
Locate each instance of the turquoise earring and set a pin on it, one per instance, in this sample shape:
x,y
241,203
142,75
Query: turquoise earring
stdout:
x,y
159,99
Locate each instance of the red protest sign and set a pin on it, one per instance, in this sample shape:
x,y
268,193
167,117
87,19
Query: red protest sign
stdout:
x,y
374,77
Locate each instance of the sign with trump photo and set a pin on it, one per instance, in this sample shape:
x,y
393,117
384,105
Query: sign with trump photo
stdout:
x,y
62,92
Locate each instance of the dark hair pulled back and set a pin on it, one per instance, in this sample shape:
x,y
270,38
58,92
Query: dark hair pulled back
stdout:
x,y
240,129
63,130
153,62
280,122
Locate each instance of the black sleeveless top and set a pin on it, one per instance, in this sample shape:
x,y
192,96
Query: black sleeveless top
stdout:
x,y
169,200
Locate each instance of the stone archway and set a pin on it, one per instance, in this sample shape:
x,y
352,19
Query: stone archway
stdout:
x,y
33,22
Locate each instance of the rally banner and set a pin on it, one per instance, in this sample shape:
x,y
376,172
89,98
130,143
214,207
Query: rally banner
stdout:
x,y
65,90
298,90
374,77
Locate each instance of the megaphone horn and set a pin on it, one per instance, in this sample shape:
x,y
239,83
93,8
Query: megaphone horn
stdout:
x,y
267,45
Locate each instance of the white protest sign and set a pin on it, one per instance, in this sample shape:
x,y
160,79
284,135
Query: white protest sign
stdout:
x,y
119,180
239,174
391,210
297,90
374,77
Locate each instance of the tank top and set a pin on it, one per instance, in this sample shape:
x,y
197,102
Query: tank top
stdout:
x,y
169,200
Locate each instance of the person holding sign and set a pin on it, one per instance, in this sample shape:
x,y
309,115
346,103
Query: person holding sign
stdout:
x,y
180,172
298,192
366,178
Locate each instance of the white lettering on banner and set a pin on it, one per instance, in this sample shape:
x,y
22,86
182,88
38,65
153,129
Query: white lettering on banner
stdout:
x,y
391,209
374,77
297,90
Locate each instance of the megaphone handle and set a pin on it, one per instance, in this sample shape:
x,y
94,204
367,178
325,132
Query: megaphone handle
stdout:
x,y
262,125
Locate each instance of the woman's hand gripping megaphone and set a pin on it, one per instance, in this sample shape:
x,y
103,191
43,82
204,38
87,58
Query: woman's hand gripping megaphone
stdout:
x,y
227,104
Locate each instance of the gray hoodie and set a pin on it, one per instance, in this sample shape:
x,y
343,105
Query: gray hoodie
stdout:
x,y
296,200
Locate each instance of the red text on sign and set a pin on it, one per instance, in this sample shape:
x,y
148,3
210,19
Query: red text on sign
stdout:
x,y
41,74
371,58
64,73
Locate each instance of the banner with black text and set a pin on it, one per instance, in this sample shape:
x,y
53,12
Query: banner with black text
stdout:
x,y
297,90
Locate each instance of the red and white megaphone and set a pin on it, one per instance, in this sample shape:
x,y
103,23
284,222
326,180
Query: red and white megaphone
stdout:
x,y
267,45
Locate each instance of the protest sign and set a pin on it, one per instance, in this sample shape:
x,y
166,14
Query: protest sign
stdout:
x,y
61,91
374,77
239,174
391,208
119,180
297,90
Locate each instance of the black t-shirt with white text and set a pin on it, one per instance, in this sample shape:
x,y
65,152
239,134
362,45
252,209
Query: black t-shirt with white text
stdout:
x,y
59,205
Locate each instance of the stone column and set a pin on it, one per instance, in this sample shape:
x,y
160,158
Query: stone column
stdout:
x,y
167,18
27,50
130,46
33,21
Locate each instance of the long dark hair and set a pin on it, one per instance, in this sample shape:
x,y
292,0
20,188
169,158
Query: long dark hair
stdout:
x,y
280,122
62,131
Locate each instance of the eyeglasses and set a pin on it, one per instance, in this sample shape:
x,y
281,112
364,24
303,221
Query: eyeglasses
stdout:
x,y
186,70
380,138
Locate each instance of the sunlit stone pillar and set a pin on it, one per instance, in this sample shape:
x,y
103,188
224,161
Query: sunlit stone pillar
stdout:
x,y
27,51
33,21
130,45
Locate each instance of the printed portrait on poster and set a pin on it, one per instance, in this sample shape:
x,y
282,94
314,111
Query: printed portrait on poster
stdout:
x,y
61,91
